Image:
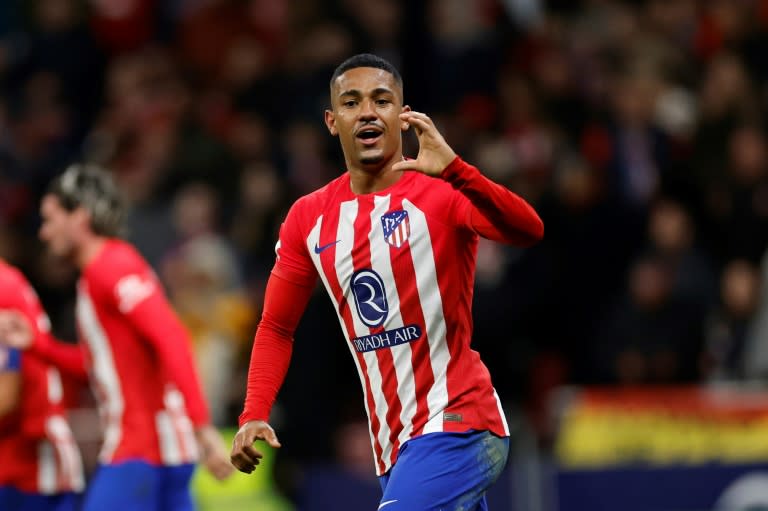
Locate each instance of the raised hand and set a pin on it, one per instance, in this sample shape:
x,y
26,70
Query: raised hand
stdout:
x,y
244,456
434,152
15,330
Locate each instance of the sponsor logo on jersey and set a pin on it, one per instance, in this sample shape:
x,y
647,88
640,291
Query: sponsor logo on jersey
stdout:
x,y
397,227
387,338
132,290
370,297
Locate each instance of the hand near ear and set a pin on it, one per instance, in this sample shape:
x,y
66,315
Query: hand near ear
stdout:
x,y
434,152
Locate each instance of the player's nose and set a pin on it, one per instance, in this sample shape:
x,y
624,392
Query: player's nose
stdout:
x,y
367,110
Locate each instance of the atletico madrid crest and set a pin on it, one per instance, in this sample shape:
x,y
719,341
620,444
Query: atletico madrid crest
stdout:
x,y
397,228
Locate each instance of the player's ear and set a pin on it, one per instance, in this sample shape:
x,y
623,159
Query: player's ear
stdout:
x,y
82,217
330,122
403,124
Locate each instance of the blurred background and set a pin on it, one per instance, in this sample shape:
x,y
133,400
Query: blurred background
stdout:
x,y
629,348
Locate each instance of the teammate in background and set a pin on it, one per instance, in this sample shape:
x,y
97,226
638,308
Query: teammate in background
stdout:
x,y
41,469
394,242
135,350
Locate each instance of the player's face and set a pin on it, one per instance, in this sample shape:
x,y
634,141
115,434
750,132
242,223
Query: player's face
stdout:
x,y
366,104
57,227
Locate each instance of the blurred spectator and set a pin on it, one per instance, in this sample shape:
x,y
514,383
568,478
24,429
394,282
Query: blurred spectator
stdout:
x,y
739,199
649,336
672,238
755,360
728,325
206,292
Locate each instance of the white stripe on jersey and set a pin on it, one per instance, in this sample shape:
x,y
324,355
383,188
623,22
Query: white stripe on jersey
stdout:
x,y
502,415
70,464
344,269
108,389
345,235
426,284
181,444
55,388
170,452
381,263
46,468
312,239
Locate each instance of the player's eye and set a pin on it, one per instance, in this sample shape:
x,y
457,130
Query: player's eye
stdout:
x,y
349,103
382,102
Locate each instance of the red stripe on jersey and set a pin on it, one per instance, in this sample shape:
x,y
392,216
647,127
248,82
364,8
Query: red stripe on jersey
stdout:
x,y
465,371
404,273
361,259
328,261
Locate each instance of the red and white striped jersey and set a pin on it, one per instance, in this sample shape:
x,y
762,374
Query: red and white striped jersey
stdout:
x,y
140,361
38,450
399,267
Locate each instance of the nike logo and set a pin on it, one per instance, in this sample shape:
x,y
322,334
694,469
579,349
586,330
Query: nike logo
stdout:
x,y
388,502
329,245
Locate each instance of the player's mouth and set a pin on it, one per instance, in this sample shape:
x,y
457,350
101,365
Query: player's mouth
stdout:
x,y
369,135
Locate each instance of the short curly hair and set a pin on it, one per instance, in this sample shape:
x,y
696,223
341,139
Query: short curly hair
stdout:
x,y
91,187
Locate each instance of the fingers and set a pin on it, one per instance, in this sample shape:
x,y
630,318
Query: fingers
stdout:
x,y
406,165
271,438
412,115
418,120
244,456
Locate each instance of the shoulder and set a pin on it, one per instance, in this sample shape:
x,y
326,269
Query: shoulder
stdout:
x,y
118,257
10,276
118,265
430,192
15,290
308,207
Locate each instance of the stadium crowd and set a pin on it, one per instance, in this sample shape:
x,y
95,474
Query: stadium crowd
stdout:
x,y
636,129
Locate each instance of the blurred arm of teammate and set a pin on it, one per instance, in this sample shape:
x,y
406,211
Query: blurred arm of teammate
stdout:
x,y
284,304
497,214
155,320
17,331
10,380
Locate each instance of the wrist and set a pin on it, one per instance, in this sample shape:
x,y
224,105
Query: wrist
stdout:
x,y
453,169
247,417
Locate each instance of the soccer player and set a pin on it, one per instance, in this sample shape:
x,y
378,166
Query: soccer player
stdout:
x,y
136,351
41,469
394,242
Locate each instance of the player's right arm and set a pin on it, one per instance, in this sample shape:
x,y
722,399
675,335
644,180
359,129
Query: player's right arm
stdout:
x,y
27,328
288,291
284,304
10,380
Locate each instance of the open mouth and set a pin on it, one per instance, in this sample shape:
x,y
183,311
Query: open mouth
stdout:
x,y
369,136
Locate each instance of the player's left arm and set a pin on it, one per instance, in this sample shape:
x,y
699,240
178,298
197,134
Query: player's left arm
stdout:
x,y
155,321
495,212
140,298
10,380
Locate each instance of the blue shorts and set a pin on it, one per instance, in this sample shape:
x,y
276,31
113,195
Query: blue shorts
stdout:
x,y
140,486
12,499
444,472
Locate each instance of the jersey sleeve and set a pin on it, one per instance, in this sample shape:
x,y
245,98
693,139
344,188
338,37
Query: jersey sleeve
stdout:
x,y
136,293
489,209
293,262
69,358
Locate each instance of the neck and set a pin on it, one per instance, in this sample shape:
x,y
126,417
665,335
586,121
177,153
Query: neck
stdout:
x,y
373,179
88,250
